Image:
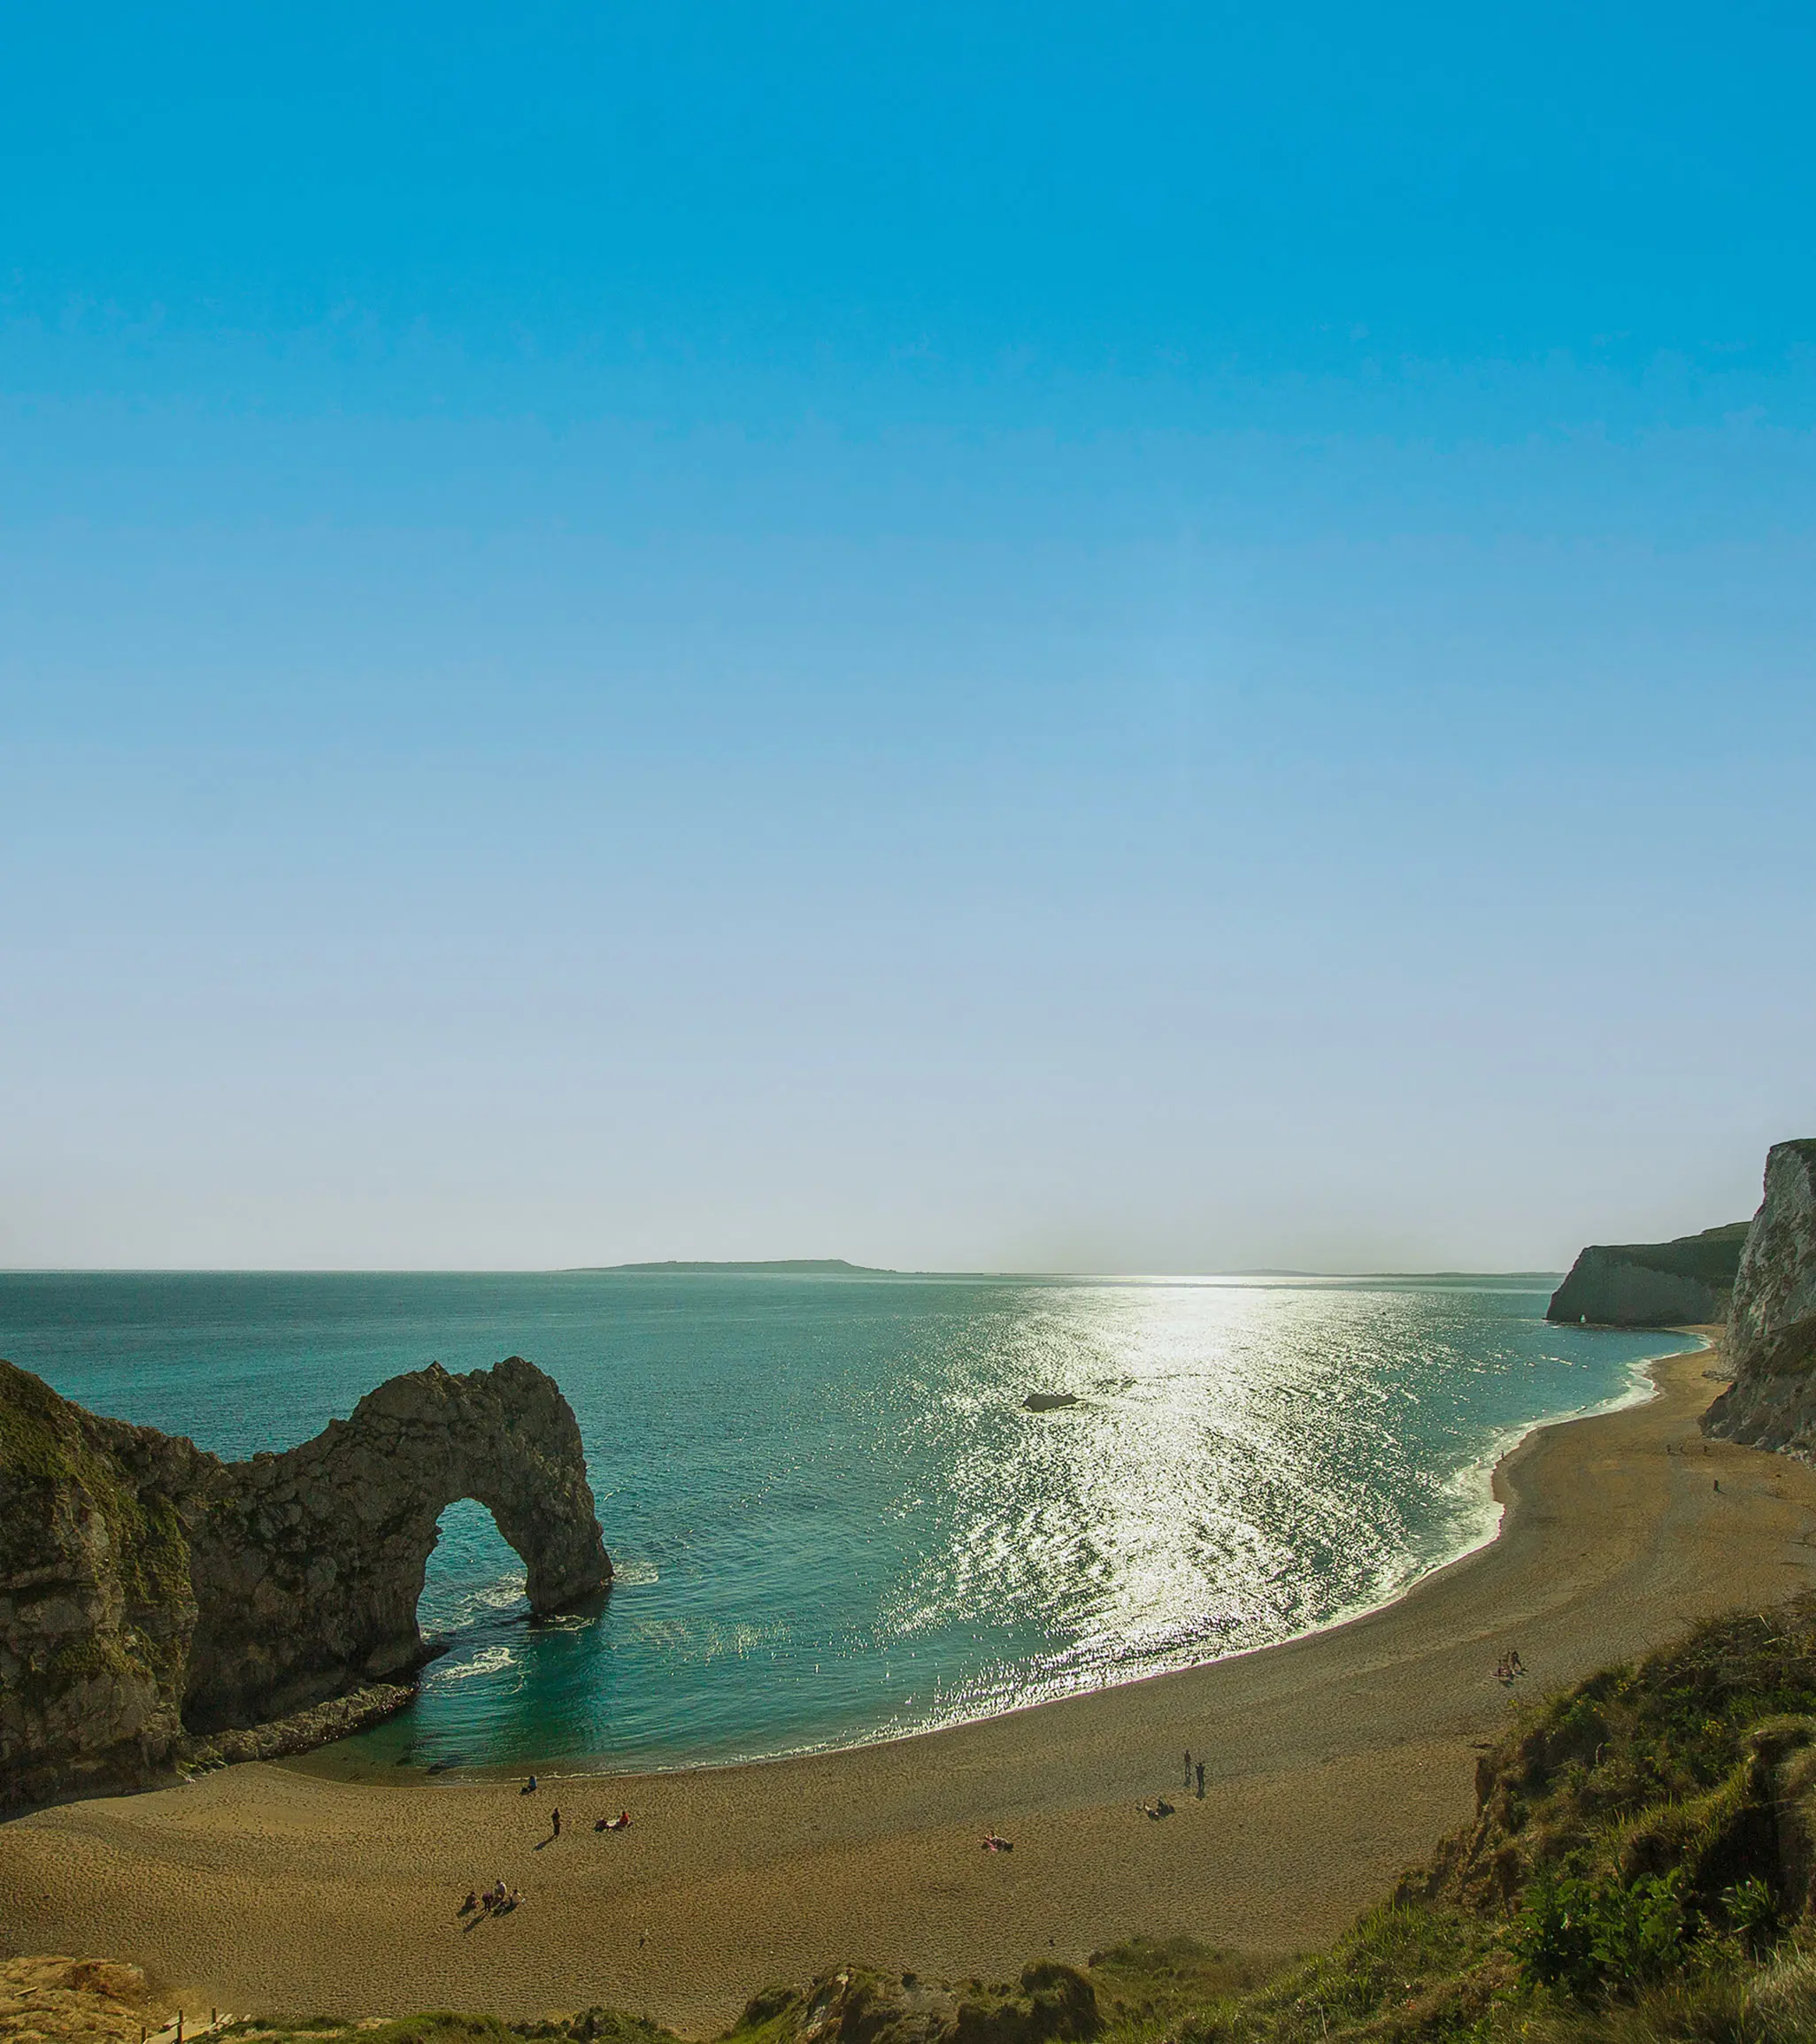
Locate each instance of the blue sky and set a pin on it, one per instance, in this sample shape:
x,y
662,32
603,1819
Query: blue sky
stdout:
x,y
1137,639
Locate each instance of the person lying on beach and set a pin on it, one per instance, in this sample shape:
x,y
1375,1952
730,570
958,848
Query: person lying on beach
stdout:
x,y
1160,1807
993,1842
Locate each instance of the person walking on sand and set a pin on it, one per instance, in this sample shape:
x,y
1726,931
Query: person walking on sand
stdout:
x,y
1189,1769
556,1821
1201,1781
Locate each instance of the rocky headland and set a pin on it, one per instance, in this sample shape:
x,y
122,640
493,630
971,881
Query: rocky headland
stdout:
x,y
161,1609
1771,1341
1652,1284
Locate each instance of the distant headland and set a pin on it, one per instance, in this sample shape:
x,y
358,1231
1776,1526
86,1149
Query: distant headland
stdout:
x,y
1654,1284
776,1267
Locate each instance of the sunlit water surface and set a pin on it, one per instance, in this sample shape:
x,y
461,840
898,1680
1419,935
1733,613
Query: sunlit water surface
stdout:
x,y
831,1515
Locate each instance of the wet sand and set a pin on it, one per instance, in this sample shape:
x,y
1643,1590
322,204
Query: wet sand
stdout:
x,y
1331,1763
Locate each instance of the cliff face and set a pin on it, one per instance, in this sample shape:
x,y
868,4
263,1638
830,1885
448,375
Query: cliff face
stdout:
x,y
95,1607
1772,1331
151,1595
1652,1284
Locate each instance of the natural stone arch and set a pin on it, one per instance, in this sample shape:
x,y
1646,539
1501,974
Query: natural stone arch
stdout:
x,y
307,1566
150,1593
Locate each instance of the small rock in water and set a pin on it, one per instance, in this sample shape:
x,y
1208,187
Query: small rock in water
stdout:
x,y
1047,1401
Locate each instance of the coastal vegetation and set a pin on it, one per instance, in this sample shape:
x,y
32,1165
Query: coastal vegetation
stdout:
x,y
1639,1871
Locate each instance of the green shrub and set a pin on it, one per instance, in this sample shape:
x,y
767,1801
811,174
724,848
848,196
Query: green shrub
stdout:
x,y
1752,1912
1585,1935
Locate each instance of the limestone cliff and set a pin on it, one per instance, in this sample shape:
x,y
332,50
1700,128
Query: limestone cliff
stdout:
x,y
1772,1331
151,1595
1652,1284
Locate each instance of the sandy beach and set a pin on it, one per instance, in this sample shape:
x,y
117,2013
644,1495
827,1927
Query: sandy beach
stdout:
x,y
1331,1763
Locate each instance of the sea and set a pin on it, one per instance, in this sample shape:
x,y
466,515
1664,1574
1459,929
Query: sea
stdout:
x,y
831,1517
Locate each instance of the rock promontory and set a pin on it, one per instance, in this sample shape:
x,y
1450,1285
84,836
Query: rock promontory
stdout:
x,y
1652,1284
160,1607
1771,1330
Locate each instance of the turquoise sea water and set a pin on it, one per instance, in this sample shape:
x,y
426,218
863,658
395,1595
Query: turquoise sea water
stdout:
x,y
832,1518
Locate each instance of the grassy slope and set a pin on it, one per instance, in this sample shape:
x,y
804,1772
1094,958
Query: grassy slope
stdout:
x,y
1713,1256
1637,1873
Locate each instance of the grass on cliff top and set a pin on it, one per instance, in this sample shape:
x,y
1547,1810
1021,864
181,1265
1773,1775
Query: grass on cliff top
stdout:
x,y
1625,1882
50,1472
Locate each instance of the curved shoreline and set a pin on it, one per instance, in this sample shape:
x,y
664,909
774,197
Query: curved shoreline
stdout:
x,y
382,1771
1332,1761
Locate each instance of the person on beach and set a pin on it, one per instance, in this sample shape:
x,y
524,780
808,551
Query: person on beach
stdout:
x,y
470,1904
1189,1769
555,1821
1201,1781
530,1786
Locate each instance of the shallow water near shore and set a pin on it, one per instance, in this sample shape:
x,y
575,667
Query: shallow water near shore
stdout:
x,y
831,1517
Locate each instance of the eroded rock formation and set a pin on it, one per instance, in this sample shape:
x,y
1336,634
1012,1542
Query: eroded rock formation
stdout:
x,y
151,1595
1652,1284
1772,1331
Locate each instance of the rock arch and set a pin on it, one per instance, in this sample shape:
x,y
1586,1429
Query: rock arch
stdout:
x,y
151,1595
307,1570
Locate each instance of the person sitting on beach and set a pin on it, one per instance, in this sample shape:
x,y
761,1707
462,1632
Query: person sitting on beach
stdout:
x,y
530,1786
1515,1666
470,1904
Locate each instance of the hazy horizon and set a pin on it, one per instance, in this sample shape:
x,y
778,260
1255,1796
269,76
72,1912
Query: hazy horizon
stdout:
x,y
1172,643
794,1266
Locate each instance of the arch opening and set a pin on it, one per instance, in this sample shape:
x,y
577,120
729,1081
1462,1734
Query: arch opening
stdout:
x,y
473,1580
